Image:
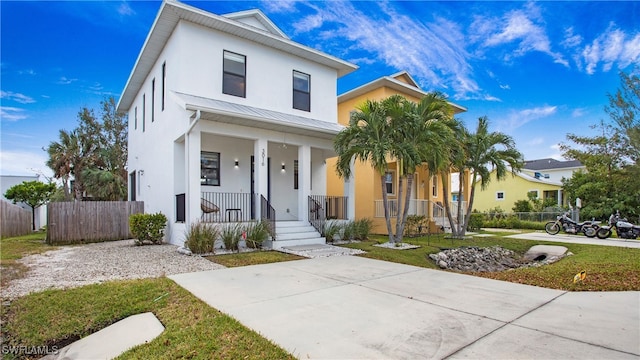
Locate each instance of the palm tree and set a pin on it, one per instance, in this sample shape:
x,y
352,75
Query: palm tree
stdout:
x,y
367,138
486,152
61,158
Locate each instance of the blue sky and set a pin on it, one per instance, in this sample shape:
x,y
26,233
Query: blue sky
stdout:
x,y
538,70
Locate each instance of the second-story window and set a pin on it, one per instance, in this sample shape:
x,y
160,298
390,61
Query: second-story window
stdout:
x,y
301,91
234,71
153,100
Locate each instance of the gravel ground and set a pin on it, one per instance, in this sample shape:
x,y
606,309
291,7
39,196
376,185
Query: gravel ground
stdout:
x,y
74,266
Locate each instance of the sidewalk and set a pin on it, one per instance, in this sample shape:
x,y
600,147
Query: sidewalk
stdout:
x,y
352,307
578,239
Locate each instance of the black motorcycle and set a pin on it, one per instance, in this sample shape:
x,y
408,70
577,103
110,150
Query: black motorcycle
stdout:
x,y
624,229
565,223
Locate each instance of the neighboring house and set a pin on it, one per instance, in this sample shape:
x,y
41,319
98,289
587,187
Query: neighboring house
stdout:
x,y
364,186
552,169
7,181
229,120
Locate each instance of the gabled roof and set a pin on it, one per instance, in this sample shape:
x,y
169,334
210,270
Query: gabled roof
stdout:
x,y
530,178
401,81
233,113
550,164
251,25
257,19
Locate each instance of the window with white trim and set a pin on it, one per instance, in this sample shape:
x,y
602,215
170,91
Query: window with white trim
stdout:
x,y
434,186
234,71
301,91
500,195
389,182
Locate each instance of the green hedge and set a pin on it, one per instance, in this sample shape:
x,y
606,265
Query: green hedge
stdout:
x,y
148,228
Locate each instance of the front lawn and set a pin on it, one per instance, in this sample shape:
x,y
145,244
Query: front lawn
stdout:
x,y
609,268
193,330
252,258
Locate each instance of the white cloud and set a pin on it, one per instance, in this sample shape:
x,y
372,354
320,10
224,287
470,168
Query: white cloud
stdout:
x,y
579,112
24,163
66,81
17,97
505,87
399,41
611,47
27,72
517,28
11,113
125,10
519,118
279,5
535,141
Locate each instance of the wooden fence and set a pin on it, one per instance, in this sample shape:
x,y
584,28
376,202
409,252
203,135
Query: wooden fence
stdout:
x,y
90,221
14,220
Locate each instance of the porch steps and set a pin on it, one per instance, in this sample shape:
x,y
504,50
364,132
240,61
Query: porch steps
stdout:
x,y
291,233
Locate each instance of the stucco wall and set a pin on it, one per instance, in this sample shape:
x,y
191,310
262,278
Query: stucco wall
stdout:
x,y
514,188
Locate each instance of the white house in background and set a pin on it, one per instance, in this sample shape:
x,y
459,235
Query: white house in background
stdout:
x,y
7,181
229,118
552,169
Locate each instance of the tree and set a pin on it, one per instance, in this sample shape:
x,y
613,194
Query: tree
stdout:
x,y
32,193
394,129
94,154
487,152
611,157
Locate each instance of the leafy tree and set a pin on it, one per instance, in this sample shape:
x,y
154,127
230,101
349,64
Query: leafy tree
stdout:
x,y
94,154
33,193
522,206
611,157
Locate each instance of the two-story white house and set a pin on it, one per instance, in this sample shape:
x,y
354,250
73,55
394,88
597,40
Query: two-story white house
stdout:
x,y
229,119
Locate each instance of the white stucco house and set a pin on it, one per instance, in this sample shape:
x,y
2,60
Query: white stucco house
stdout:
x,y
229,118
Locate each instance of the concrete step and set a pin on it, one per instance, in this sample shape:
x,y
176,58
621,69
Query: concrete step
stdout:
x,y
279,244
297,235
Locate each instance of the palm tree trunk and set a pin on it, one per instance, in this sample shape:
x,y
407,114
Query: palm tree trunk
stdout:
x,y
471,195
405,208
447,208
461,220
398,235
387,216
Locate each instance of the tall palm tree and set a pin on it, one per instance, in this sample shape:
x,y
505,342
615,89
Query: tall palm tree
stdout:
x,y
61,158
486,152
367,139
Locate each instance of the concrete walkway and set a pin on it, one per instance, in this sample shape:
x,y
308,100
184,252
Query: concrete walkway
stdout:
x,y
351,307
578,239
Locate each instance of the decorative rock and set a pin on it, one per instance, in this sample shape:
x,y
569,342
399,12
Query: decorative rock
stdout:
x,y
477,259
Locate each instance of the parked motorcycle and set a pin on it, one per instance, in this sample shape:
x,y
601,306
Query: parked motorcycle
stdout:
x,y
624,229
565,223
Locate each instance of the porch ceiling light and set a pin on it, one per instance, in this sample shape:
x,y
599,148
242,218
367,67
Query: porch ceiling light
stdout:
x,y
236,164
283,167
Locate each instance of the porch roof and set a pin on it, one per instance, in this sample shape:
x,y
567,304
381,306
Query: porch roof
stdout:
x,y
232,113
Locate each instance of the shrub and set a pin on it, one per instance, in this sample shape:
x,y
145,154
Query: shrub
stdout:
x,y
331,229
362,228
415,224
475,221
256,233
148,227
231,234
201,237
348,231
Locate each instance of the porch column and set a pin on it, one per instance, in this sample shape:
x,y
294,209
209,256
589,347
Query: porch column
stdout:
x,y
559,197
192,161
350,192
261,171
304,181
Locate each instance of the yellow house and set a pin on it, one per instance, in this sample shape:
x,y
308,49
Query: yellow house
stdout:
x,y
364,189
505,193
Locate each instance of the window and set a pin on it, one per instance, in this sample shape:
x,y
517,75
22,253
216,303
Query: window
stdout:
x,y
234,74
301,91
434,185
210,168
135,118
144,110
454,197
295,174
132,186
153,100
388,182
164,77
500,195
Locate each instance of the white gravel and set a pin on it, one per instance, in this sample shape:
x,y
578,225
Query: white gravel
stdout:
x,y
73,266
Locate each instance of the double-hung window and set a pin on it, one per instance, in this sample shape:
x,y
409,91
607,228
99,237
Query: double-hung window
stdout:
x,y
210,168
389,177
234,79
301,91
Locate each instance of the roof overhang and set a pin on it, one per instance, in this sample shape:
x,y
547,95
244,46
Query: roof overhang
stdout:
x,y
172,12
391,83
233,113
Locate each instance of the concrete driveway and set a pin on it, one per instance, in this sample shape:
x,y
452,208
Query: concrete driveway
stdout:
x,y
578,239
347,307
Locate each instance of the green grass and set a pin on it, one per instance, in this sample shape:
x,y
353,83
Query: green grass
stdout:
x,y
252,258
14,248
609,268
192,328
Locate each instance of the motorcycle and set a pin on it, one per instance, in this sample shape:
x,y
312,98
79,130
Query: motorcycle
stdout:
x,y
624,229
565,223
